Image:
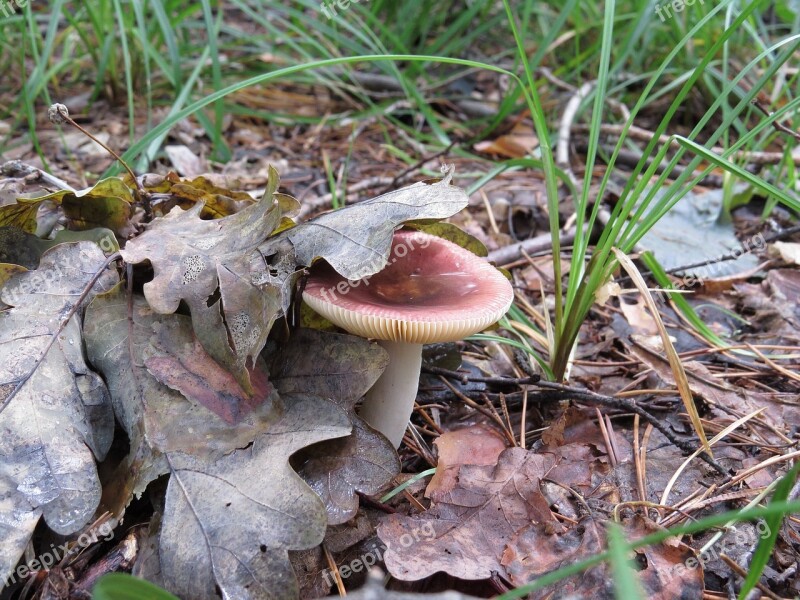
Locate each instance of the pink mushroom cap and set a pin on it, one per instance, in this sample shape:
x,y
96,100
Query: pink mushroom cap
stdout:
x,y
431,290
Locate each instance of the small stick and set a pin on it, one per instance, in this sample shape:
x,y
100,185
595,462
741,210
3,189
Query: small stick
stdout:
x,y
567,392
58,113
416,166
761,103
334,568
742,573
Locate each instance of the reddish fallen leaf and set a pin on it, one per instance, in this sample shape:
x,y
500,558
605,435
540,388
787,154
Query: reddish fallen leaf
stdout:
x,y
477,445
192,372
466,532
666,571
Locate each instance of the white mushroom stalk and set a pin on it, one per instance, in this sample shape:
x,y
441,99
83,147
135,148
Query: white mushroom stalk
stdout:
x,y
389,403
431,290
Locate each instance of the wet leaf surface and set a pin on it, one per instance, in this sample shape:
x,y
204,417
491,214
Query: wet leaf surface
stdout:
x,y
356,241
231,522
234,505
60,420
342,369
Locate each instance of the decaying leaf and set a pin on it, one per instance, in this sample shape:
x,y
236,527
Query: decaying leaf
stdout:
x,y
477,445
25,249
230,523
499,518
519,142
473,522
58,415
342,368
186,367
106,204
217,201
356,240
156,418
535,552
214,267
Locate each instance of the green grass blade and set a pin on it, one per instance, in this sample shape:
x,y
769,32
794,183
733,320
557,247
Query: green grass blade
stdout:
x,y
773,522
163,127
626,585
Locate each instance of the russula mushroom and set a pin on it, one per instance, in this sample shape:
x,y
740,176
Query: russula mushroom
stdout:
x,y
431,290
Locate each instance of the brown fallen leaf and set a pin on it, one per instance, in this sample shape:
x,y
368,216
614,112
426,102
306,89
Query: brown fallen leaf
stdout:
x,y
187,368
518,143
637,316
663,575
234,505
342,369
215,268
476,445
472,523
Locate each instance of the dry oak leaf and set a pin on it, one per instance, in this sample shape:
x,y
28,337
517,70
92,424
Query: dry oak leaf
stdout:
x,y
341,368
59,420
356,240
473,523
476,445
215,268
234,506
156,418
105,204
668,570
230,523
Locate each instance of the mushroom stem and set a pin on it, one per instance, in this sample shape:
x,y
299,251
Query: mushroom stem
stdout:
x,y
389,404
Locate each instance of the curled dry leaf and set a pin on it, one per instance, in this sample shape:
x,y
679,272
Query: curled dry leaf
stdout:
x,y
535,551
105,204
497,519
59,420
214,267
156,418
477,445
473,522
234,505
230,523
356,240
342,368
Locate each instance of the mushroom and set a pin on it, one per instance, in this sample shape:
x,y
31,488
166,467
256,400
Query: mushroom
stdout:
x,y
431,290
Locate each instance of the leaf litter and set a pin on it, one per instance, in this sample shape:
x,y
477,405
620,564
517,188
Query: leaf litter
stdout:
x,y
221,415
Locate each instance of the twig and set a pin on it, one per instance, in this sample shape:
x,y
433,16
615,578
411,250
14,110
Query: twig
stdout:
x,y
742,573
762,104
17,168
507,254
58,113
645,135
562,392
316,203
464,377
